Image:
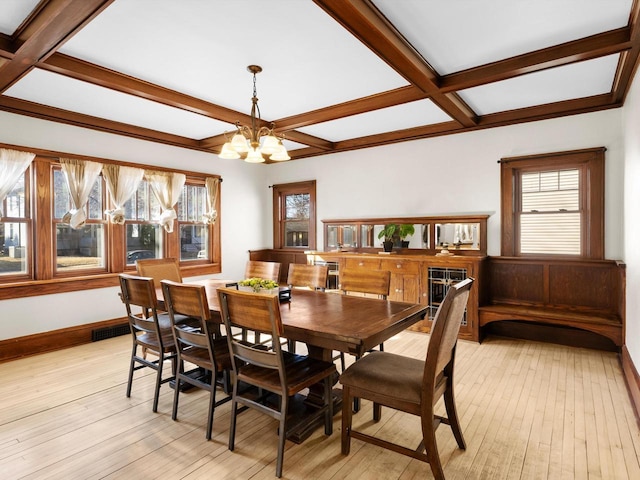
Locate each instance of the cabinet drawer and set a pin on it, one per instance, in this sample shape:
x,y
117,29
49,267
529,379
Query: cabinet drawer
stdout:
x,y
368,263
400,266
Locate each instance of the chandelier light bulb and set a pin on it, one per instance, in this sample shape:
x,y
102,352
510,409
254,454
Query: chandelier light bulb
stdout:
x,y
254,156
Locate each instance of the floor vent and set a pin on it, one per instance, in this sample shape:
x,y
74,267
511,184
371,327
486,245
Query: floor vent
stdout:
x,y
109,332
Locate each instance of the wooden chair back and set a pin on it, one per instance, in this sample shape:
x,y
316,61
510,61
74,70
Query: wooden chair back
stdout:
x,y
266,270
253,311
374,282
159,269
309,276
189,300
444,335
140,292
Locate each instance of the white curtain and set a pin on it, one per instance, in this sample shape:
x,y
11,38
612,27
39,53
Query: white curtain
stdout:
x,y
212,185
12,164
167,187
122,183
80,176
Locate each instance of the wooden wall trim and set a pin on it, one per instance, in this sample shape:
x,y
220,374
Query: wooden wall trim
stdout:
x,y
14,348
632,379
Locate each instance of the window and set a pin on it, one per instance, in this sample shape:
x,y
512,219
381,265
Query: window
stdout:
x,y
554,204
81,248
14,230
143,237
294,213
194,235
38,245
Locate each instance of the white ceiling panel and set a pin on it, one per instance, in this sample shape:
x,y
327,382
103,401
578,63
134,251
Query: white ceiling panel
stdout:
x,y
333,71
202,48
61,92
400,117
578,80
457,35
13,12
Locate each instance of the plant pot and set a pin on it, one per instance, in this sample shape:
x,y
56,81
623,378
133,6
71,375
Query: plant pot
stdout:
x,y
387,245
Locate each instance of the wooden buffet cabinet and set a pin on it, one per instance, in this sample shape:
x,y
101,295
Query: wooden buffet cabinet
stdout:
x,y
415,278
578,302
419,272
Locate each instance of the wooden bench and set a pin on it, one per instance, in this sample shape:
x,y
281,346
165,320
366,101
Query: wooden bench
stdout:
x,y
584,294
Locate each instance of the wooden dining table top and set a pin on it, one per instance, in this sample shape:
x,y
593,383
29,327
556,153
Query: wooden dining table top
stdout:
x,y
332,321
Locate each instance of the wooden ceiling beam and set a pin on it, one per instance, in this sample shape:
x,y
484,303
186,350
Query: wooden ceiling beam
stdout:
x,y
549,110
24,107
588,48
377,101
628,63
97,75
367,24
542,112
119,82
55,22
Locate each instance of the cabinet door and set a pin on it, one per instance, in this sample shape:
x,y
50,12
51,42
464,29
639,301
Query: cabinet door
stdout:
x,y
405,279
411,289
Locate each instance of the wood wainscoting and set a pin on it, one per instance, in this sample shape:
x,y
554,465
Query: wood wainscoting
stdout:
x,y
14,348
577,294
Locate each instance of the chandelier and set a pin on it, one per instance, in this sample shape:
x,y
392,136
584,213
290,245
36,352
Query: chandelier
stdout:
x,y
246,140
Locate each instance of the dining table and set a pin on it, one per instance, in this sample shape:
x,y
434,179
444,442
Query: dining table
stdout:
x,y
328,321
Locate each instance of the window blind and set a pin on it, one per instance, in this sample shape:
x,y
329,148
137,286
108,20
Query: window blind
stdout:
x,y
550,217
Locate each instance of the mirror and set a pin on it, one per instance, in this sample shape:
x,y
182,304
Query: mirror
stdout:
x,y
463,234
460,236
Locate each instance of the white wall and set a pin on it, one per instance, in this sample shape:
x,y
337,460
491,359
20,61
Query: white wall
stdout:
x,y
243,216
631,119
444,175
456,173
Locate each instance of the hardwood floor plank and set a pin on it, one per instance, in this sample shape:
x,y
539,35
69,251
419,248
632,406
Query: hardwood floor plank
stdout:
x,y
527,409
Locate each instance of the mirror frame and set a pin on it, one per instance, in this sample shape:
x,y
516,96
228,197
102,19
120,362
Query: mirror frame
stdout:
x,y
358,223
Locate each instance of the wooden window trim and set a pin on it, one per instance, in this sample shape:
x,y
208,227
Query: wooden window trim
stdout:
x,y
591,163
42,279
279,191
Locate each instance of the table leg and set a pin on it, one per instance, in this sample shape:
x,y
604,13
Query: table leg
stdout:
x,y
313,400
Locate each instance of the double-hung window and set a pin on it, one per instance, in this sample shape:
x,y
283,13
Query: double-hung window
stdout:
x,y
294,213
143,236
194,235
82,248
15,230
553,204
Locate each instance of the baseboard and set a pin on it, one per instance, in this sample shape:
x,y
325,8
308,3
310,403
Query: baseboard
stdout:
x,y
633,380
14,348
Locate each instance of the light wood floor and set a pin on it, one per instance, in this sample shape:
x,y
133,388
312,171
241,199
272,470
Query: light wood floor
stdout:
x,y
528,411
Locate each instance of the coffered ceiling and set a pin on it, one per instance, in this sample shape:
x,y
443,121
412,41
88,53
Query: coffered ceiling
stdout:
x,y
337,74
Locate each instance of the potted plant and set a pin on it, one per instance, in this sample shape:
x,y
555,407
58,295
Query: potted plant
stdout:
x,y
259,285
404,230
388,233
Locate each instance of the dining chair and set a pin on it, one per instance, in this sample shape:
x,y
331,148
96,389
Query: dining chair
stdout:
x,y
146,331
274,371
266,270
197,346
159,269
374,283
312,277
412,385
